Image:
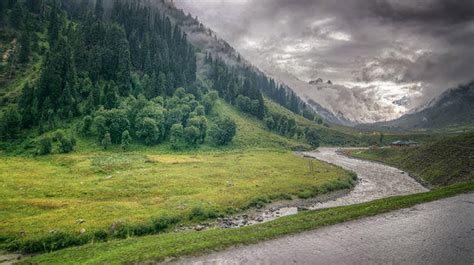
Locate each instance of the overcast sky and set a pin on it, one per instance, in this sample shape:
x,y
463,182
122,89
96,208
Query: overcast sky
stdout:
x,y
382,52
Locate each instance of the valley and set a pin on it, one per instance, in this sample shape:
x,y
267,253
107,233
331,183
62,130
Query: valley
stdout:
x,y
131,132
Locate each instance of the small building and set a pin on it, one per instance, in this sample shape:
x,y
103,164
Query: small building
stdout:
x,y
403,143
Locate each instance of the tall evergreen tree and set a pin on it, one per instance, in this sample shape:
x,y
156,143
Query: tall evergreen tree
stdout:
x,y
54,23
24,48
99,9
17,16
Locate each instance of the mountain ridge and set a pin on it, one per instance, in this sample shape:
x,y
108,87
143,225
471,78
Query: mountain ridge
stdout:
x,y
453,108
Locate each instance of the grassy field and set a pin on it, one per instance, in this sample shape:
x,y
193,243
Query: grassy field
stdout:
x,y
46,195
157,248
441,162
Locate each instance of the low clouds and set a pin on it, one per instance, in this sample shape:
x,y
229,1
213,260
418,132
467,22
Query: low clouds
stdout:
x,y
378,51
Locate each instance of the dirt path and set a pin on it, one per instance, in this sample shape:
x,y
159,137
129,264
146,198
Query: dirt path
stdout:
x,y
439,232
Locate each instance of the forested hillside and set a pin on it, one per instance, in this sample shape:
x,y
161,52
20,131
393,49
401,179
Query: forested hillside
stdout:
x,y
122,75
123,72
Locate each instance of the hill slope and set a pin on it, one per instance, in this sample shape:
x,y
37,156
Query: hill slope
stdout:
x,y
442,162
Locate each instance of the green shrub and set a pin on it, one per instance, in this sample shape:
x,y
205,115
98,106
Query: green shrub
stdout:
x,y
46,144
223,131
200,214
305,194
162,223
258,203
100,235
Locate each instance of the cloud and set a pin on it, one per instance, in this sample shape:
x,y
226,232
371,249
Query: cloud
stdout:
x,y
380,51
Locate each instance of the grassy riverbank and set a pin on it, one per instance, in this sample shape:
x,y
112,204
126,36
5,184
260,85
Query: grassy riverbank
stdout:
x,y
442,162
157,248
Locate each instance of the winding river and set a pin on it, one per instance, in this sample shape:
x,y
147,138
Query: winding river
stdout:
x,y
375,181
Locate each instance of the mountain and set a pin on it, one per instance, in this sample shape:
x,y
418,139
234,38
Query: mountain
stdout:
x,y
453,108
316,81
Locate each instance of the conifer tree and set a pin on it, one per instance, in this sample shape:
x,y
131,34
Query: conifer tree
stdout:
x,y
24,48
99,9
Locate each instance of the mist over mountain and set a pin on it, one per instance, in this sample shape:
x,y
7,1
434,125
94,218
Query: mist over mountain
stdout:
x,y
453,108
379,52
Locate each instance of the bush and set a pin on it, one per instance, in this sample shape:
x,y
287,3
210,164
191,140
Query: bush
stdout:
x,y
86,126
305,194
66,145
176,136
148,131
200,214
162,223
191,135
106,141
51,242
126,140
10,124
223,131
312,136
46,144
100,235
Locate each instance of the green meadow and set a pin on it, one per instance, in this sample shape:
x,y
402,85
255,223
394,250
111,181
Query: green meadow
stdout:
x,y
83,193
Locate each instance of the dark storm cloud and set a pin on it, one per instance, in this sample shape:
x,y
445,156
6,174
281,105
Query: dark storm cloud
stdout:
x,y
426,44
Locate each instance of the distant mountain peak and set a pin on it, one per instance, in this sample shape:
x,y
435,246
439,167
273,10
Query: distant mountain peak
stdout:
x,y
316,81
454,107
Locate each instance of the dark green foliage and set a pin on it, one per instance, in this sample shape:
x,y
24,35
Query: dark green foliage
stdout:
x,y
209,101
17,16
233,89
28,105
125,141
23,57
99,9
199,122
45,145
85,128
176,135
200,214
162,223
54,23
106,141
113,121
66,145
59,240
223,131
148,130
54,241
191,135
232,82
313,138
308,114
10,124
280,123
